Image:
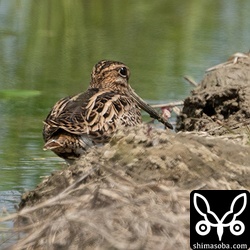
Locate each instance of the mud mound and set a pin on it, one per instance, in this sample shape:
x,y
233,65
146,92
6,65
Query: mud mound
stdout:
x,y
221,103
133,193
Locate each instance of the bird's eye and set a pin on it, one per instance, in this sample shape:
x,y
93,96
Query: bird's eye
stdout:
x,y
123,72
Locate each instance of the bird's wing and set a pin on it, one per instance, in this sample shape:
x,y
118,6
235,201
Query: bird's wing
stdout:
x,y
87,112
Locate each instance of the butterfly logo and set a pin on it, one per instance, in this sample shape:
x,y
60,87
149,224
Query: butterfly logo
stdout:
x,y
203,227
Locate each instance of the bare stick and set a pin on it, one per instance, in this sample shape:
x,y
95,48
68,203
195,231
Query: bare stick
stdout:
x,y
191,81
170,104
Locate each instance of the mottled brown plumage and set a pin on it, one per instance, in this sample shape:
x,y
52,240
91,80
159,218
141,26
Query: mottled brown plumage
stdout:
x,y
76,123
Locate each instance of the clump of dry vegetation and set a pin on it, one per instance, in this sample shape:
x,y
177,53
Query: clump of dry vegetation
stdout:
x,y
132,193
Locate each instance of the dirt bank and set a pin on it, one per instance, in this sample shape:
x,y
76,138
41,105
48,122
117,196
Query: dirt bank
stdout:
x,y
221,102
133,193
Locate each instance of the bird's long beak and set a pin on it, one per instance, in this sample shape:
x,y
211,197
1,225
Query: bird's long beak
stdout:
x,y
150,110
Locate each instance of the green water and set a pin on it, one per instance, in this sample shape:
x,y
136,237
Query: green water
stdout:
x,y
48,48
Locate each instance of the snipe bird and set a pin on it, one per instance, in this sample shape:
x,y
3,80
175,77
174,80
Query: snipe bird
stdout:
x,y
78,122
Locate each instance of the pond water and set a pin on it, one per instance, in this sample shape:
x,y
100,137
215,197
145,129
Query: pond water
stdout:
x,y
48,49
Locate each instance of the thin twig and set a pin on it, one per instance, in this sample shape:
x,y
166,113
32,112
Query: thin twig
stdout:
x,y
170,104
191,81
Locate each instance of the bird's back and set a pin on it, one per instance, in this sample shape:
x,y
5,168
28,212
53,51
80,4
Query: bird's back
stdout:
x,y
87,119
78,122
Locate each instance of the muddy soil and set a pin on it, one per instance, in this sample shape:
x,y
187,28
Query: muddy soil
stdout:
x,y
145,155
221,102
133,193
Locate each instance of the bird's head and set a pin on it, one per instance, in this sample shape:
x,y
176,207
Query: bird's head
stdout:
x,y
114,76
111,75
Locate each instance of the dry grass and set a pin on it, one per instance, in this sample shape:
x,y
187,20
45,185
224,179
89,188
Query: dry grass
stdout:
x,y
130,194
116,213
